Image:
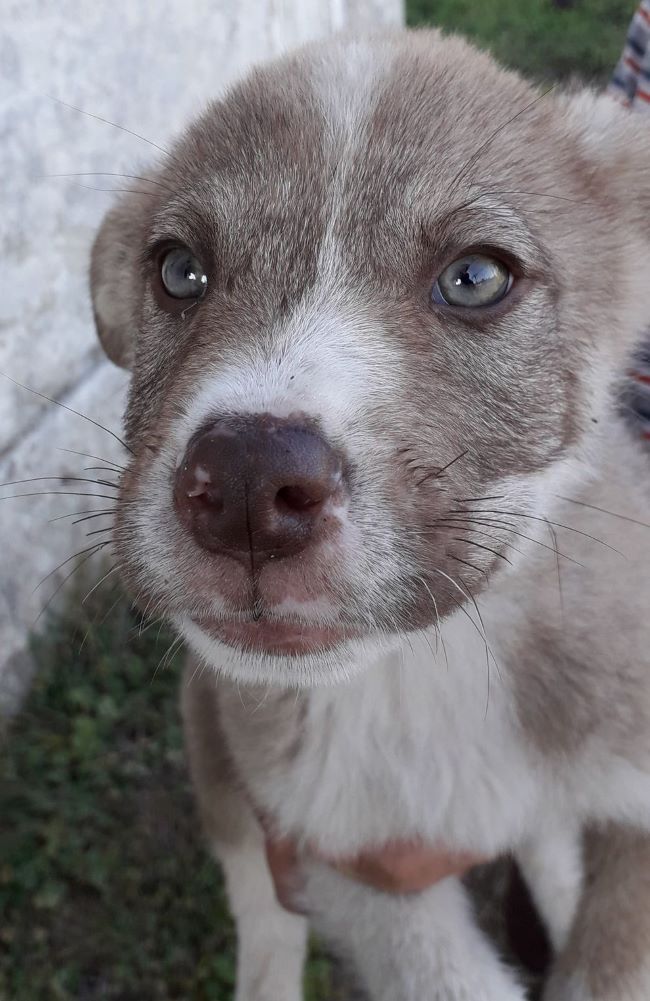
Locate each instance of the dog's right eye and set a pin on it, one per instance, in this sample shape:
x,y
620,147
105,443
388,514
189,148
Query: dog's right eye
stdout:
x,y
182,274
473,281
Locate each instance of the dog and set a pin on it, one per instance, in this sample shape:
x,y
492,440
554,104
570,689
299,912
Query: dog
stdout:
x,y
378,306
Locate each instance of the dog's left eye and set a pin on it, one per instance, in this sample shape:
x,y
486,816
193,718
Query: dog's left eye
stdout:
x,y
473,281
182,275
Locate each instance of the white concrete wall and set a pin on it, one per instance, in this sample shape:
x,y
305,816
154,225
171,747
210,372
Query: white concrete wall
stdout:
x,y
148,67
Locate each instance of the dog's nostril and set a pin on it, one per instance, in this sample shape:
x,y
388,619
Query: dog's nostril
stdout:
x,y
198,481
210,501
296,499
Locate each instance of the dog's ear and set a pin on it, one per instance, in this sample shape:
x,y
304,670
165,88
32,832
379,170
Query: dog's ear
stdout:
x,y
114,281
616,143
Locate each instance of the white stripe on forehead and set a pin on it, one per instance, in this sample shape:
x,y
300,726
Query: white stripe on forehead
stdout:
x,y
346,81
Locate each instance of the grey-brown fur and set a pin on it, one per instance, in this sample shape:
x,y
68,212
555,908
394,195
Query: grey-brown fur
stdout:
x,y
611,935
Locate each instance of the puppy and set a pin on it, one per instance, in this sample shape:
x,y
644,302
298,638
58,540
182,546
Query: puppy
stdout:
x,y
376,308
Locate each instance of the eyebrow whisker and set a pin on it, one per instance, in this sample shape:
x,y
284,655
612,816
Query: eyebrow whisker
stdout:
x,y
108,173
106,121
493,135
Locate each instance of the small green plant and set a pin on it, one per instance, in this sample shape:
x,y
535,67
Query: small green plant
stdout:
x,y
106,889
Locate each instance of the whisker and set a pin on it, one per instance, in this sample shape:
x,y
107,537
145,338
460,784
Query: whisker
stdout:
x,y
98,531
466,500
458,208
437,614
105,469
200,668
166,657
436,473
490,139
487,549
488,651
94,187
488,522
505,526
546,521
553,535
466,563
96,623
91,512
58,493
602,510
466,527
70,410
160,628
114,125
99,582
145,611
120,597
89,517
95,549
159,619
463,589
73,557
87,455
59,479
115,191
108,173
533,194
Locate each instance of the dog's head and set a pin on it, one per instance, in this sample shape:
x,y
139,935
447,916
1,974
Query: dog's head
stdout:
x,y
382,286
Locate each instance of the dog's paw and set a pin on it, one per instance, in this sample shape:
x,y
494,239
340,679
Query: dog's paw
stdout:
x,y
568,988
273,975
264,990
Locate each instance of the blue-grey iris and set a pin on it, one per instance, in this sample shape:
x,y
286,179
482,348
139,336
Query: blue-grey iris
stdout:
x,y
471,281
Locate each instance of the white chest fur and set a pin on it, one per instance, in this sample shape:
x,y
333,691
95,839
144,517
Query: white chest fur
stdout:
x,y
415,746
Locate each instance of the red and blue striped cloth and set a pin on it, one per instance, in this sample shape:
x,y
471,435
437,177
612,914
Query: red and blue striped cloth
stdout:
x,y
631,81
630,84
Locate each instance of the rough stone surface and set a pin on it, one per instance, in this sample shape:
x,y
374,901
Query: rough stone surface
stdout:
x,y
148,69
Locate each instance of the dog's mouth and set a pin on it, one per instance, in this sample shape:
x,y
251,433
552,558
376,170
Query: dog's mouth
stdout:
x,y
276,637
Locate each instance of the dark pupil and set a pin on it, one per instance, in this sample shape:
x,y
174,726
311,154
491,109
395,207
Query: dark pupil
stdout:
x,y
189,272
182,275
474,273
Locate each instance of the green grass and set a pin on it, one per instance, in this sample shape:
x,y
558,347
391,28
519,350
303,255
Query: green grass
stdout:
x,y
536,36
106,890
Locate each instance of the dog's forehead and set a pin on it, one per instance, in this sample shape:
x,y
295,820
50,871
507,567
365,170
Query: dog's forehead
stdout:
x,y
377,127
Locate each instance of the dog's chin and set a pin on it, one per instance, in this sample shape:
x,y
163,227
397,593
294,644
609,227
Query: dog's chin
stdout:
x,y
286,656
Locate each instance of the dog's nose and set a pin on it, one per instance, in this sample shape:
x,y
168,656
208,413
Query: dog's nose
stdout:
x,y
256,487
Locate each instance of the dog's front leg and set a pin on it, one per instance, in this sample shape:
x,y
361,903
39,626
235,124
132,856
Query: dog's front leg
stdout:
x,y
416,947
271,942
607,956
